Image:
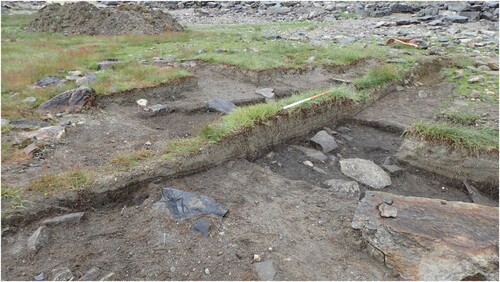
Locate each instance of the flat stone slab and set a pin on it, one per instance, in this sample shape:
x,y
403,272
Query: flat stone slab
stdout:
x,y
266,92
325,140
72,100
55,132
366,172
346,188
221,105
430,239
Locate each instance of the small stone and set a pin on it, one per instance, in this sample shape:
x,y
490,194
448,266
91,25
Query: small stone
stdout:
x,y
39,277
474,94
265,270
29,100
107,64
388,201
346,188
108,277
422,94
266,92
148,143
221,105
38,239
62,274
317,169
308,163
257,258
142,102
82,82
310,60
325,140
31,149
493,65
55,132
393,170
156,110
67,218
91,275
207,271
49,81
387,211
476,79
75,73
311,153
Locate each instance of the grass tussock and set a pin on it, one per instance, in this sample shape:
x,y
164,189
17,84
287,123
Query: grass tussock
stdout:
x,y
128,160
184,147
376,77
13,196
462,118
70,180
472,140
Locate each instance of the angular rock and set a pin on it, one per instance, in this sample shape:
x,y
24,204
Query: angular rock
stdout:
x,y
62,274
325,140
221,105
387,210
456,19
107,64
278,10
39,277
182,204
91,275
476,196
393,170
38,239
472,16
458,6
202,227
311,153
435,22
266,92
366,172
82,82
265,270
400,22
31,149
462,237
64,219
349,189
108,277
401,8
49,81
493,65
55,132
475,79
71,100
28,124
156,110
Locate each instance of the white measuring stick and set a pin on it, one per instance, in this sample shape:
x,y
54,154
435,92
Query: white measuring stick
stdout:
x,y
296,103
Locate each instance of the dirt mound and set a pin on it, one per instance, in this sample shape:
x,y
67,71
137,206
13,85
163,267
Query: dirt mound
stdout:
x,y
85,18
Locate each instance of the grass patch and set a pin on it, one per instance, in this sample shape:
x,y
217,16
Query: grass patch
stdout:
x,y
464,88
129,160
184,147
13,196
70,180
462,118
377,76
472,140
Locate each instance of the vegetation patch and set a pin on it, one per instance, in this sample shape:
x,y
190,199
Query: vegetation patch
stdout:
x,y
129,160
481,140
13,196
377,77
69,180
462,118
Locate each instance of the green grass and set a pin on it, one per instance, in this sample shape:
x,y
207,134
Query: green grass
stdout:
x,y
126,161
459,77
459,137
462,118
376,77
13,196
69,180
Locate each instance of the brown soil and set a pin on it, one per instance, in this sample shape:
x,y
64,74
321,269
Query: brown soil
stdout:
x,y
278,207
85,18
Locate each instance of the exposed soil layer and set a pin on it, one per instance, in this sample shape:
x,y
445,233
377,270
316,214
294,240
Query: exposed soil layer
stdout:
x,y
85,18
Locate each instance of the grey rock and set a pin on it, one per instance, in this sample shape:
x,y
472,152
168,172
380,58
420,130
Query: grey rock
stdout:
x,y
82,82
49,81
108,277
349,189
91,77
156,110
395,61
221,105
343,130
212,4
91,274
29,100
456,19
462,237
64,219
4,121
28,124
55,132
400,22
277,10
393,170
311,153
435,22
472,16
475,79
366,172
325,140
266,92
319,170
220,50
202,227
38,239
271,36
71,100
107,64
75,73
387,210
265,270
476,196
401,8
39,277
458,6
491,4
347,137
62,274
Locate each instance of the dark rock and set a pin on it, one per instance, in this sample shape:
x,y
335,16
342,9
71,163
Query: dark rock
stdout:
x,y
487,16
366,172
49,81
491,4
38,239
429,11
401,8
426,18
202,227
271,36
462,237
395,61
393,170
62,274
343,130
472,16
64,219
456,19
315,155
28,124
265,270
71,100
183,204
221,105
91,275
400,22
325,140
345,188
220,50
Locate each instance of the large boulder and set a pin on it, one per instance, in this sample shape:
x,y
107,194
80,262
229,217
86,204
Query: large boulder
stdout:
x,y
71,100
85,18
430,239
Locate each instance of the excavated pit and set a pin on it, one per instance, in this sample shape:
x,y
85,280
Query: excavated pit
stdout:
x,y
279,208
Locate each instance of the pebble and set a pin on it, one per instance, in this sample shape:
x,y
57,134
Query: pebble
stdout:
x,y
387,211
29,100
475,79
257,258
308,163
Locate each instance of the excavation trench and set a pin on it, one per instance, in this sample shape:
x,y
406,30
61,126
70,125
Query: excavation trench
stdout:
x,y
279,208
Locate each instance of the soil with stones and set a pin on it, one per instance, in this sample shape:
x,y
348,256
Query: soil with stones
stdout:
x,y
283,221
85,18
